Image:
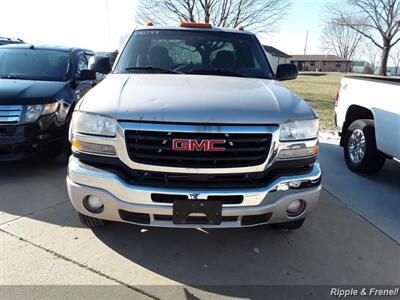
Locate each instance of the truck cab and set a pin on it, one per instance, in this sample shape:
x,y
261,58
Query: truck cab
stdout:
x,y
191,128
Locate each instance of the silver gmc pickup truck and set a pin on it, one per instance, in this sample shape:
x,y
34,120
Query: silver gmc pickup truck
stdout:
x,y
192,128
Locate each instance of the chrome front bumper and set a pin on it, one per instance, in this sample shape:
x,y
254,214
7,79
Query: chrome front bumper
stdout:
x,y
116,194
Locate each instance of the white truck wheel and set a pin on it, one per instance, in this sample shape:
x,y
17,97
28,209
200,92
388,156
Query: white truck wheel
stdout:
x,y
360,150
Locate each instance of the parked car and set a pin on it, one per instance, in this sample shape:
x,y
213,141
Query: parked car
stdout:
x,y
39,88
193,129
367,115
7,41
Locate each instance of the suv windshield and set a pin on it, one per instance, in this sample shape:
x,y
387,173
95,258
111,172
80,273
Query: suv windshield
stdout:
x,y
194,52
34,64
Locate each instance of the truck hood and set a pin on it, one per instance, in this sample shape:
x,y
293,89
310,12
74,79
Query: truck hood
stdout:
x,y
194,99
25,92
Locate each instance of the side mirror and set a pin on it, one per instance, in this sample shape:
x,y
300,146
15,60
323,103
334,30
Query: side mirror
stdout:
x,y
100,64
87,75
287,72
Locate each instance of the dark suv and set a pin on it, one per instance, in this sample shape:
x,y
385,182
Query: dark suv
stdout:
x,y
39,87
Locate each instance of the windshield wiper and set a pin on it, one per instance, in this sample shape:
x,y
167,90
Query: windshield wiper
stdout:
x,y
13,77
215,71
154,69
20,77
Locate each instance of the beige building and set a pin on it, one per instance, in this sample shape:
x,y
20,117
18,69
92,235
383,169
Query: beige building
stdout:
x,y
321,63
276,57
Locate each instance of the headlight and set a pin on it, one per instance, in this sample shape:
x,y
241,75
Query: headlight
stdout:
x,y
93,124
33,112
299,130
49,108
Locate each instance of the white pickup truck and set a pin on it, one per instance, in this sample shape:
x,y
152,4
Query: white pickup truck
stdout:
x,y
367,115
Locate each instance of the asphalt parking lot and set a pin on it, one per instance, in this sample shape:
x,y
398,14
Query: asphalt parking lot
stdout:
x,y
376,198
345,240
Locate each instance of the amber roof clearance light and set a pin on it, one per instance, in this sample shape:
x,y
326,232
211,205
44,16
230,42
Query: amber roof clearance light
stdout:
x,y
195,25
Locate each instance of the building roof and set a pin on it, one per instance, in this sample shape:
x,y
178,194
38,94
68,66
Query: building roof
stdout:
x,y
327,57
275,52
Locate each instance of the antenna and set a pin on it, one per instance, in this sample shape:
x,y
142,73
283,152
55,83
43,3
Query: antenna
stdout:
x,y
305,47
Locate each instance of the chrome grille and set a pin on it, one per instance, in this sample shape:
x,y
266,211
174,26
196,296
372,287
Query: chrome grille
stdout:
x,y
10,114
155,148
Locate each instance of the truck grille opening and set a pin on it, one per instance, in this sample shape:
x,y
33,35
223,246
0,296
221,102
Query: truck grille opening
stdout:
x,y
10,114
138,218
165,198
256,219
197,181
199,220
155,148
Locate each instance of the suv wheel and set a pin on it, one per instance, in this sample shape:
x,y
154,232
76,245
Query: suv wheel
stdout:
x,y
90,221
360,150
292,225
55,149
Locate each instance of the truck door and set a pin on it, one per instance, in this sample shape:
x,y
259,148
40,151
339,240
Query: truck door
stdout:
x,y
387,119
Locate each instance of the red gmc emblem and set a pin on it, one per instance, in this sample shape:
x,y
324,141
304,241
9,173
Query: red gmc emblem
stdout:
x,y
194,145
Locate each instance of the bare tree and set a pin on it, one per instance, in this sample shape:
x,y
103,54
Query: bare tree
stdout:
x,y
395,57
257,15
372,54
340,40
113,56
380,18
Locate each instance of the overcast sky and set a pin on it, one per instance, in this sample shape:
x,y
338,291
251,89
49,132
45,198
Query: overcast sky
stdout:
x,y
304,15
103,24
94,24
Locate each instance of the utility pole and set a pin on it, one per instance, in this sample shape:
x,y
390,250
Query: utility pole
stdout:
x,y
305,47
108,23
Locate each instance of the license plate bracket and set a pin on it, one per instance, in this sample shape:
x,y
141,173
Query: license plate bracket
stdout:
x,y
212,211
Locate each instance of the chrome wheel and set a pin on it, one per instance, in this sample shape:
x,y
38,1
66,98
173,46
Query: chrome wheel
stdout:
x,y
357,146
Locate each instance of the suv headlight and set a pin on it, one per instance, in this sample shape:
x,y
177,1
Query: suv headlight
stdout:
x,y
299,130
32,112
93,124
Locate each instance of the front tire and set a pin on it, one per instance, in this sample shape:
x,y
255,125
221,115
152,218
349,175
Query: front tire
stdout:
x,y
292,225
90,221
360,151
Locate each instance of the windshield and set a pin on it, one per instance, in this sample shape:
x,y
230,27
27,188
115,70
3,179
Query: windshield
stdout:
x,y
34,64
194,52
